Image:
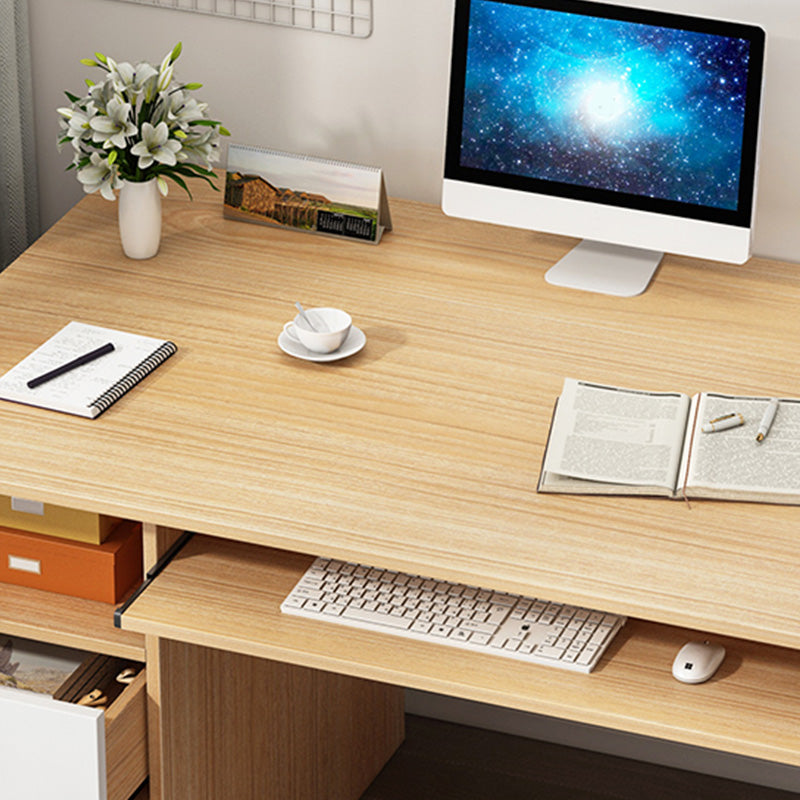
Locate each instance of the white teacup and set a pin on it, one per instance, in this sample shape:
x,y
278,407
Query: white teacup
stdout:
x,y
332,324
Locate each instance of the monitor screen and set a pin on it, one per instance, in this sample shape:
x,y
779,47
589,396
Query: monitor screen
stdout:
x,y
608,105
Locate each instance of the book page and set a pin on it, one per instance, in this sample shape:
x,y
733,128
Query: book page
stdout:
x,y
733,461
616,435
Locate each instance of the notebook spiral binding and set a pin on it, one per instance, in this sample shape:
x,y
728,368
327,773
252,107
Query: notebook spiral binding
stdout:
x,y
139,372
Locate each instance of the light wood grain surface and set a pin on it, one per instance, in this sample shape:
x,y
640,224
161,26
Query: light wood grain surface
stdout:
x,y
68,621
241,728
227,595
126,741
423,451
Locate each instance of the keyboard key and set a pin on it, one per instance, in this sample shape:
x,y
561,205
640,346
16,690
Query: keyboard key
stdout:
x,y
547,651
389,620
422,627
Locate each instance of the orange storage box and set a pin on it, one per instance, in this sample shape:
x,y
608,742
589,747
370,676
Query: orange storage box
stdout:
x,y
104,572
67,523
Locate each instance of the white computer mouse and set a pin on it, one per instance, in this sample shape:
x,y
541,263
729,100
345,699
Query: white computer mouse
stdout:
x,y
696,662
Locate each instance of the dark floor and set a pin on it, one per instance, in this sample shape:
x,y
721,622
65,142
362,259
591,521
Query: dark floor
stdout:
x,y
443,761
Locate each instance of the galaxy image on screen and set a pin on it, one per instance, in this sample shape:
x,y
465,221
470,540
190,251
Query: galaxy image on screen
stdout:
x,y
586,101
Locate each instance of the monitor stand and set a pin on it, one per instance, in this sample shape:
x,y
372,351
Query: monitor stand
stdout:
x,y
605,268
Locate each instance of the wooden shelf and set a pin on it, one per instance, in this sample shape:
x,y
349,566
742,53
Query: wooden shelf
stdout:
x,y
226,595
68,621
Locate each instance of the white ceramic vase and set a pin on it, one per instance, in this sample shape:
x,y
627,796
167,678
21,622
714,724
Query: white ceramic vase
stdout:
x,y
140,218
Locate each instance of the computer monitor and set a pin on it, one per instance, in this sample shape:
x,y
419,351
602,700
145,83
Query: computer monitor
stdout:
x,y
635,130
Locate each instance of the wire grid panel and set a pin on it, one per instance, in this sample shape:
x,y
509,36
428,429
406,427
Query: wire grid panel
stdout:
x,y
345,17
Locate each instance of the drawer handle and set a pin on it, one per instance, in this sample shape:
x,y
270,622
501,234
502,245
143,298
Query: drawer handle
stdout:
x,y
127,675
94,699
32,565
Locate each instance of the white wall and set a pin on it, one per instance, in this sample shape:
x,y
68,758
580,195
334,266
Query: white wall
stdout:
x,y
378,101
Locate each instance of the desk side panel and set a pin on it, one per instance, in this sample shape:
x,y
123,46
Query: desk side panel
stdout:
x,y
236,727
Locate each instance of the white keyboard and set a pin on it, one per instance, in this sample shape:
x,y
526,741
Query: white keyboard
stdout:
x,y
507,625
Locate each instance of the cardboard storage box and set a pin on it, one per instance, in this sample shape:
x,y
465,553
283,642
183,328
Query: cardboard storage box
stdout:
x,y
104,572
66,523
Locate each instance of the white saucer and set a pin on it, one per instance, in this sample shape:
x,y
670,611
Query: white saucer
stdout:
x,y
355,340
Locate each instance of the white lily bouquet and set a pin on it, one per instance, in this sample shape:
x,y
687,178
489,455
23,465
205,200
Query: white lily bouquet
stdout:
x,y
137,124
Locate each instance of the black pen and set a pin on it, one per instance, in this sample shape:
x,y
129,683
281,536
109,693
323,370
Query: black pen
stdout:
x,y
70,365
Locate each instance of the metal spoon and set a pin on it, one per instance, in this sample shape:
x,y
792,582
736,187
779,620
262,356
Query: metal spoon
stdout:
x,y
306,318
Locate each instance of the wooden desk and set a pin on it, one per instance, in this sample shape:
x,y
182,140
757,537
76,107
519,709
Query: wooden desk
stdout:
x,y
421,453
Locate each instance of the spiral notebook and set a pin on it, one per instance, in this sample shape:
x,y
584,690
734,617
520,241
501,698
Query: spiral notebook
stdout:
x,y
87,390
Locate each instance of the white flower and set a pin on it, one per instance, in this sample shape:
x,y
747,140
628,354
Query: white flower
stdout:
x,y
182,109
150,87
100,175
200,146
131,81
121,75
102,94
142,74
165,72
77,121
156,146
113,127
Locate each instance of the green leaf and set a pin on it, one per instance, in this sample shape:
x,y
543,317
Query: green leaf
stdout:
x,y
80,165
186,169
197,168
192,86
181,182
224,131
72,98
101,58
89,62
176,51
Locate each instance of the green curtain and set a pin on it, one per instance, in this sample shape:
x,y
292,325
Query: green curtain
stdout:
x,y
19,204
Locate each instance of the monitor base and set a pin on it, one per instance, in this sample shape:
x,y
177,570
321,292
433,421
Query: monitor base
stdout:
x,y
605,268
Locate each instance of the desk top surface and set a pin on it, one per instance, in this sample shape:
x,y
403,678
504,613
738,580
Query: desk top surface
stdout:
x,y
422,452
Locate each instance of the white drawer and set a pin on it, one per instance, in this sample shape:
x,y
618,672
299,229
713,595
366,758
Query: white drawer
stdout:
x,y
50,749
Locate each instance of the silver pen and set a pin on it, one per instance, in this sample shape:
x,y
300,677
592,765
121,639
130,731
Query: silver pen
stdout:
x,y
766,420
723,423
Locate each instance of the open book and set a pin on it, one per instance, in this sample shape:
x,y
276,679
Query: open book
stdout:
x,y
611,440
